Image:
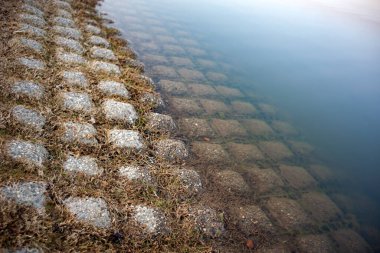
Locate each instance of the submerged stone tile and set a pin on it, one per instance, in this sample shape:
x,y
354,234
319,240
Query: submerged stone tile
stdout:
x,y
184,105
320,207
164,71
82,133
31,63
67,32
207,220
125,139
32,10
102,53
301,148
32,20
216,76
189,74
195,127
69,58
153,99
32,30
160,122
70,44
244,152
321,173
119,111
251,220
228,128
243,108
315,244
297,177
275,150
173,49
98,41
92,29
171,150
83,164
172,87
283,127
190,181
75,78
287,213
90,210
350,242
61,21
232,181
113,88
228,92
149,81
131,63
28,89
32,44
27,152
136,173
201,90
26,193
206,63
28,117
151,219
267,109
209,152
265,180
196,51
214,107
257,127
77,101
106,67
181,61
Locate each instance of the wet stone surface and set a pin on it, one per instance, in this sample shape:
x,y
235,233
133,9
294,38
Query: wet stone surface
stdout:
x,y
275,150
288,213
243,108
137,173
232,181
207,221
67,32
244,152
113,88
28,89
32,30
321,173
190,181
152,220
160,122
183,105
189,74
297,177
105,67
90,210
125,139
154,99
69,44
315,244
28,152
98,41
171,150
301,148
28,117
283,127
214,107
119,111
92,29
257,127
265,180
228,128
75,78
77,101
84,164
228,92
31,63
194,127
209,152
350,242
32,10
164,71
27,193
32,20
320,207
252,220
102,53
32,44
172,87
82,133
202,90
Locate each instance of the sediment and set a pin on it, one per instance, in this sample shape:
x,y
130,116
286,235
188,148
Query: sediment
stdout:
x,y
93,159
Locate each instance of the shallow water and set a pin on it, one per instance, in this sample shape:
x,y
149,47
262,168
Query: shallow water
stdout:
x,y
316,62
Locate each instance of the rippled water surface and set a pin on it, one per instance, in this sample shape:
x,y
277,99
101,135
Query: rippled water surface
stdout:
x,y
306,92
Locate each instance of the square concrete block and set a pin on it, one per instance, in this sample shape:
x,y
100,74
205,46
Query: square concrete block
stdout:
x,y
82,133
189,74
164,71
206,63
267,109
201,90
228,128
252,220
265,180
157,122
232,181
283,127
194,127
275,150
228,92
209,152
257,127
320,207
216,76
213,106
129,139
185,106
297,177
321,173
287,213
171,150
244,152
301,148
196,51
181,62
315,244
154,59
173,49
350,242
172,87
119,111
243,108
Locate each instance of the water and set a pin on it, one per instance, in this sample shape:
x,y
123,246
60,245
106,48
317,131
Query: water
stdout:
x,y
317,62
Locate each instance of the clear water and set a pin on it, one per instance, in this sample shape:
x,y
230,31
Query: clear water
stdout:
x,y
317,62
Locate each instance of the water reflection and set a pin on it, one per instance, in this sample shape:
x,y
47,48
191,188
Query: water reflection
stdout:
x,y
222,70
